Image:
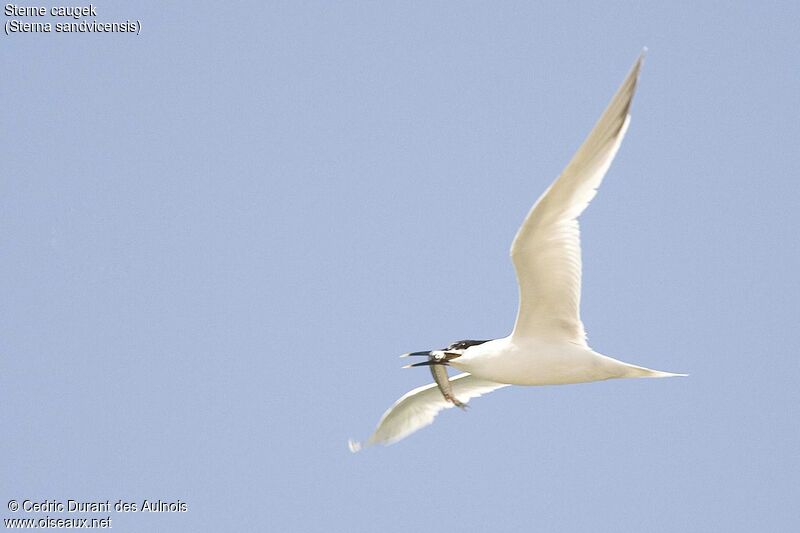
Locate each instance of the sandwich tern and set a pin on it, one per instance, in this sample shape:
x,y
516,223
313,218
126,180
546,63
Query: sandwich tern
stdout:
x,y
548,343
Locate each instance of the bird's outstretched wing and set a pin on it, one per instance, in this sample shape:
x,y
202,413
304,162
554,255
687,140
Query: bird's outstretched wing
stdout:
x,y
418,408
547,251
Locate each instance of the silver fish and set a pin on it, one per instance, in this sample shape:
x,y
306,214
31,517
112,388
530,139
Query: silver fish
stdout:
x,y
439,372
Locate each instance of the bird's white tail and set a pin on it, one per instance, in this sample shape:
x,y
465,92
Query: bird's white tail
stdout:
x,y
633,371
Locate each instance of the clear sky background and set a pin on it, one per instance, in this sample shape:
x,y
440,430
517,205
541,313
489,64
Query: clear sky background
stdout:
x,y
216,238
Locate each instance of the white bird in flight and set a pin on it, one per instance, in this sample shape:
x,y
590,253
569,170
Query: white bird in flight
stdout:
x,y
548,343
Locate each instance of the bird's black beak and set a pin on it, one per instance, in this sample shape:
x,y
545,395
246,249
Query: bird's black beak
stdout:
x,y
412,354
429,362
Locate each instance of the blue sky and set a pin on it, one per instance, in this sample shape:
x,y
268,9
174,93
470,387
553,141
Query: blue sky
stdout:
x,y
217,236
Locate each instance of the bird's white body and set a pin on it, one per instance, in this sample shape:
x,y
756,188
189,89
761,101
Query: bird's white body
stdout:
x,y
533,361
548,344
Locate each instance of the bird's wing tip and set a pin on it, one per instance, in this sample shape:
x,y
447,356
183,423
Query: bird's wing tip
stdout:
x,y
640,59
354,445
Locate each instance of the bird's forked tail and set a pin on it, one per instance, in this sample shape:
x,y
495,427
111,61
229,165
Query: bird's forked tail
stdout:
x,y
633,371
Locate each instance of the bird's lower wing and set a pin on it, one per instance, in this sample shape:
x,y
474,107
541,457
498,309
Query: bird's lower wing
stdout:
x,y
417,408
546,251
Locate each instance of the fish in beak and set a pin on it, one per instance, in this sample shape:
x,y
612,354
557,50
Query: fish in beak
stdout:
x,y
438,361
